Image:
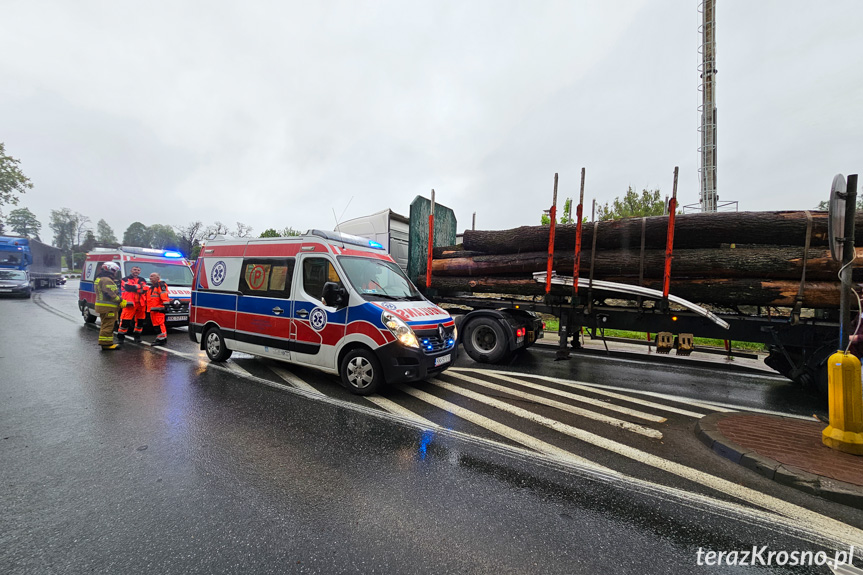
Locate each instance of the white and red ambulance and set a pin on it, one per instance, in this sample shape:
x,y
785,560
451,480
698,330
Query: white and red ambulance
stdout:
x,y
326,300
171,266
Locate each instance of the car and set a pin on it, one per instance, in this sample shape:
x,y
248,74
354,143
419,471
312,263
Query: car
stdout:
x,y
15,283
61,281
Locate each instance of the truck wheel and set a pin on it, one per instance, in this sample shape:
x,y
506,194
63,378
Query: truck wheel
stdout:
x,y
361,372
485,340
214,345
88,317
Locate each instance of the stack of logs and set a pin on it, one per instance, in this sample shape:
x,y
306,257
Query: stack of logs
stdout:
x,y
731,258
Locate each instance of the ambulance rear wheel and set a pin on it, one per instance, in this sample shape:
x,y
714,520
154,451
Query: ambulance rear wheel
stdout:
x,y
361,372
214,345
88,317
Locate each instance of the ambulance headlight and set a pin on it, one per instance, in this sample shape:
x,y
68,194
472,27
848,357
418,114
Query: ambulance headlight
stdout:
x,y
402,331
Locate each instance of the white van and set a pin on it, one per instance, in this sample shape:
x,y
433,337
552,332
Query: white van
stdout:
x,y
327,300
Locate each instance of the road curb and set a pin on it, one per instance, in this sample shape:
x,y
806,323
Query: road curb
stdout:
x,y
707,431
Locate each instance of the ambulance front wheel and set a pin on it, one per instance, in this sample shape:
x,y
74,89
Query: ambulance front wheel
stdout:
x,y
214,345
361,372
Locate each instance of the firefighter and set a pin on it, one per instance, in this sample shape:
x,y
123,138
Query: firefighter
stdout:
x,y
108,301
134,290
157,299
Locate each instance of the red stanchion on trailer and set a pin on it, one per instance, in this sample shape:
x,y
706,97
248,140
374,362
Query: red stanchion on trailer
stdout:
x,y
669,243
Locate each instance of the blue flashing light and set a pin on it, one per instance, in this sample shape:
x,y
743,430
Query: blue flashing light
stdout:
x,y
375,245
172,254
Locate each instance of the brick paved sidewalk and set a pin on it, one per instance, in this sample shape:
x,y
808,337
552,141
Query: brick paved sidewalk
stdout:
x,y
787,450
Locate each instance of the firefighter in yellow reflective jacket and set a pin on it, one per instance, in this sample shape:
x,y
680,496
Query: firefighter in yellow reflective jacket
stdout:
x,y
108,303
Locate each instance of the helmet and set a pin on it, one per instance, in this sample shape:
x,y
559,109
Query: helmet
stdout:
x,y
111,267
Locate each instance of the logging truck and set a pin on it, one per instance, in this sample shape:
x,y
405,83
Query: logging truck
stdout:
x,y
763,277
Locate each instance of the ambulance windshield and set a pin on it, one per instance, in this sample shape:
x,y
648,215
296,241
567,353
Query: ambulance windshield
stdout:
x,y
376,279
175,275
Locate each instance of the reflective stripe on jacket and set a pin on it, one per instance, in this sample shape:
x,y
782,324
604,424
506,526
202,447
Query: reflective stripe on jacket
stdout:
x,y
157,296
134,289
107,296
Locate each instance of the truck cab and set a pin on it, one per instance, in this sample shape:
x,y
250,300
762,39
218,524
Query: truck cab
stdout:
x,y
171,266
327,300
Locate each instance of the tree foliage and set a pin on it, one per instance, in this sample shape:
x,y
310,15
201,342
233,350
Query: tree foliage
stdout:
x,y
286,232
89,241
12,180
104,234
65,224
23,222
189,236
633,205
162,237
137,234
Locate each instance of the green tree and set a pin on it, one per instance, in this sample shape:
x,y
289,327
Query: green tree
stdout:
x,y
64,224
104,234
24,222
89,242
283,233
566,217
163,237
189,236
269,233
633,205
12,180
137,234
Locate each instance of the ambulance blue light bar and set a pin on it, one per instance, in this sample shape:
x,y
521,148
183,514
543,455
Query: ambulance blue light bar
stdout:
x,y
149,252
347,239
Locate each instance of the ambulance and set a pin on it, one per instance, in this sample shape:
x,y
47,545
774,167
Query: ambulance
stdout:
x,y
171,266
325,300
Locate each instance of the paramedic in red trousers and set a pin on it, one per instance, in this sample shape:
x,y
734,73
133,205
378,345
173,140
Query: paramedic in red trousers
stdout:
x,y
108,303
134,290
157,299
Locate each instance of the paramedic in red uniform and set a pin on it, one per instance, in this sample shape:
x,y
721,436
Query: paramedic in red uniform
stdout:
x,y
134,290
157,299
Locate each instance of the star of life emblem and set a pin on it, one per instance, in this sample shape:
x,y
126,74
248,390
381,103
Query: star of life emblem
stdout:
x,y
318,319
218,273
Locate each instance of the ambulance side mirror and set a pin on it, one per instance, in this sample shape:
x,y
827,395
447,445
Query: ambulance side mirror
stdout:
x,y
335,295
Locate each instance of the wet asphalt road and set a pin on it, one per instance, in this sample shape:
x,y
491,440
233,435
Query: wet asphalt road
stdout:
x,y
145,461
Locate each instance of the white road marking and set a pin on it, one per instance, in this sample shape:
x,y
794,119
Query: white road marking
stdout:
x,y
502,430
292,379
231,366
792,519
603,390
586,413
393,407
825,524
710,405
579,398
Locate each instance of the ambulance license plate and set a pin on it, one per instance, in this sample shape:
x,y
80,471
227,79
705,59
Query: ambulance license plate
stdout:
x,y
438,361
5,291
179,318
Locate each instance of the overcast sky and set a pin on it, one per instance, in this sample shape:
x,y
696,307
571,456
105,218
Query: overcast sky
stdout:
x,y
281,113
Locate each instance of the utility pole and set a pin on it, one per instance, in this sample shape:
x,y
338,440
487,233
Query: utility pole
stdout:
x,y
707,129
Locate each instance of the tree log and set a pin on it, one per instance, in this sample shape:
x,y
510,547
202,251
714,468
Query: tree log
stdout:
x,y
764,262
742,291
700,230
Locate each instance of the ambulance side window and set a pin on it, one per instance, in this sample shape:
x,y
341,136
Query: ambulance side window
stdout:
x,y
267,277
317,272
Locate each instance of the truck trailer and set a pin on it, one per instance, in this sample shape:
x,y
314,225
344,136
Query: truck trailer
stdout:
x,y
499,282
41,262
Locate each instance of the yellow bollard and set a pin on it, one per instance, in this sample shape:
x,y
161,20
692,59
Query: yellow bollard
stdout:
x,y
845,432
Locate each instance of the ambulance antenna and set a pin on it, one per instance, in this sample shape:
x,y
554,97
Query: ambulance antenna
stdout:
x,y
338,220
